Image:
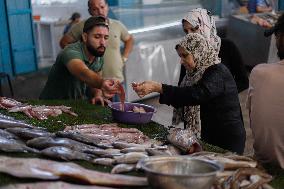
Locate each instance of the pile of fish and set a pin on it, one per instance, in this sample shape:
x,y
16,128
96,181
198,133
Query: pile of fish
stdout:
x,y
109,133
110,150
240,172
39,112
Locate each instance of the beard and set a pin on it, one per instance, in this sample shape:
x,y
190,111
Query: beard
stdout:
x,y
280,54
94,51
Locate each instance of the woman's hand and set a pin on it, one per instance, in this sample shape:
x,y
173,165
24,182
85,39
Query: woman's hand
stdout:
x,y
146,87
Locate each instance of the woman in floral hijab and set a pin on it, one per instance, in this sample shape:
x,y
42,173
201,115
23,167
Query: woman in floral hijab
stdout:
x,y
208,85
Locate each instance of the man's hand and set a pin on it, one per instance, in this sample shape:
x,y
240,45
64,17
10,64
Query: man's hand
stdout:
x,y
146,87
99,98
110,87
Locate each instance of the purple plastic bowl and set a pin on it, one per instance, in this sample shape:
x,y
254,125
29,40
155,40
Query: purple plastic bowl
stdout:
x,y
130,117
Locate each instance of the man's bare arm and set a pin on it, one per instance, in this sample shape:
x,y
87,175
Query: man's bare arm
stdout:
x,y
78,68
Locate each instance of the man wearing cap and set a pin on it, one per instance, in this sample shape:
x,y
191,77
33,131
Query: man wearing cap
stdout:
x,y
79,64
113,59
266,104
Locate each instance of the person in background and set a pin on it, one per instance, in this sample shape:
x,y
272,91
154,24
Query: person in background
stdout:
x,y
208,85
265,103
200,21
259,6
78,65
74,19
113,59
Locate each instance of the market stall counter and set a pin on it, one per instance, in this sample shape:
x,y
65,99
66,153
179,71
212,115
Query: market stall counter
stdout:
x,y
247,32
71,143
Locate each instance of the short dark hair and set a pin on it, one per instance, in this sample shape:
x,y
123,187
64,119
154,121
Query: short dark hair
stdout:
x,y
94,21
75,15
278,27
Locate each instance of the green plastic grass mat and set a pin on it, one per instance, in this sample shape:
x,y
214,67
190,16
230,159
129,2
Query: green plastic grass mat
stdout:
x,y
88,113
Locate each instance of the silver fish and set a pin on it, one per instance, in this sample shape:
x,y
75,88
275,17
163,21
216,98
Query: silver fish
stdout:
x,y
64,153
2,116
83,138
107,152
155,152
5,123
28,133
12,145
123,168
45,142
52,170
122,145
8,135
133,149
104,161
129,158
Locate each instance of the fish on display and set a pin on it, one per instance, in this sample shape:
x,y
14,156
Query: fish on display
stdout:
x,y
60,152
107,152
104,161
123,168
185,140
51,185
155,152
6,103
129,158
8,135
13,145
83,138
45,142
6,123
2,116
122,145
133,149
52,170
29,133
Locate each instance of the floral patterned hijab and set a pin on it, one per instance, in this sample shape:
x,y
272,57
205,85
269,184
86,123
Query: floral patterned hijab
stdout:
x,y
202,19
204,56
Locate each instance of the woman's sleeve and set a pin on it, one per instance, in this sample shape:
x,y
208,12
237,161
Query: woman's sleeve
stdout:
x,y
209,86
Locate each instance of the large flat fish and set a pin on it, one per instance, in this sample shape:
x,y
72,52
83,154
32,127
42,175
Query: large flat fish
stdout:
x,y
13,145
51,185
60,152
6,123
29,133
52,170
45,142
87,139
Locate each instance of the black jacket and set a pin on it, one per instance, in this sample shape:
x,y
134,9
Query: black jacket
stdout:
x,y
220,111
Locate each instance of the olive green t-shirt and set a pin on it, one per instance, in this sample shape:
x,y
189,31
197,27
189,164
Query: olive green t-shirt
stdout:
x,y
113,64
61,84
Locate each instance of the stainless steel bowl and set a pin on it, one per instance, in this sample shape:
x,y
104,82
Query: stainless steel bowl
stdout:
x,y
179,172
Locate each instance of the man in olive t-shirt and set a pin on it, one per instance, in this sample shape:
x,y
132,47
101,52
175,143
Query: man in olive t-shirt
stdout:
x,y
113,59
79,64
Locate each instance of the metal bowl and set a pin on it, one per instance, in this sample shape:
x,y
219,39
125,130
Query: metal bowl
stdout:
x,y
180,172
130,117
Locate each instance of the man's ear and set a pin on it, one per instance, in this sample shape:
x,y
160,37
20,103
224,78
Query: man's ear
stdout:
x,y
84,37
